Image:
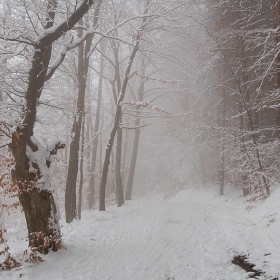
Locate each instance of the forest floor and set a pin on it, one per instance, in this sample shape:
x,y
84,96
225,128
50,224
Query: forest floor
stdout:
x,y
191,236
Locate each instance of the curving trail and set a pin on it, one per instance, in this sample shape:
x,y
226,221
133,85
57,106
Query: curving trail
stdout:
x,y
191,236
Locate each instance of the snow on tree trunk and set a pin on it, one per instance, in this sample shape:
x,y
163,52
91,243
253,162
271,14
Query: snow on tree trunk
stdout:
x,y
32,160
31,171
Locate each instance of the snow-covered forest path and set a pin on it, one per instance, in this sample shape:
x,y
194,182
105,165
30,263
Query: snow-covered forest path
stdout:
x,y
193,235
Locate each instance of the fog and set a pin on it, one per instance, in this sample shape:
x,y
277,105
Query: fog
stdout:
x,y
110,106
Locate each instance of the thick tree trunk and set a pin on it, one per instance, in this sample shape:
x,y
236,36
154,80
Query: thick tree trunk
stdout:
x,y
41,217
35,198
35,195
31,166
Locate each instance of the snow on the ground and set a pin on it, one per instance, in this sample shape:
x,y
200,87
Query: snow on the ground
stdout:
x,y
192,236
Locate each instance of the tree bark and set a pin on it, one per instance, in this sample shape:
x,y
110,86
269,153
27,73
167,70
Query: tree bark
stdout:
x,y
81,172
130,179
276,23
83,65
244,181
70,192
246,99
91,190
118,176
35,194
41,217
117,116
223,124
31,170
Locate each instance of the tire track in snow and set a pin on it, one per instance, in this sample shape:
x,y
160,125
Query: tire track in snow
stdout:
x,y
148,240
161,239
135,246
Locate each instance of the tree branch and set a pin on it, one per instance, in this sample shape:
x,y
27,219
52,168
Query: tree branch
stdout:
x,y
55,147
54,33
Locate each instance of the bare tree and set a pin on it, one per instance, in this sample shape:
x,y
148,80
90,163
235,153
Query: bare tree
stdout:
x,y
32,160
129,186
83,65
118,111
91,189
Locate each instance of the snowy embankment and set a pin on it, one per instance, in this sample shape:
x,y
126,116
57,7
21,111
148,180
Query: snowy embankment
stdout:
x,y
192,236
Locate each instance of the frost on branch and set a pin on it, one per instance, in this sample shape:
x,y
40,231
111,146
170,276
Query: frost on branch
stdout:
x,y
140,105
